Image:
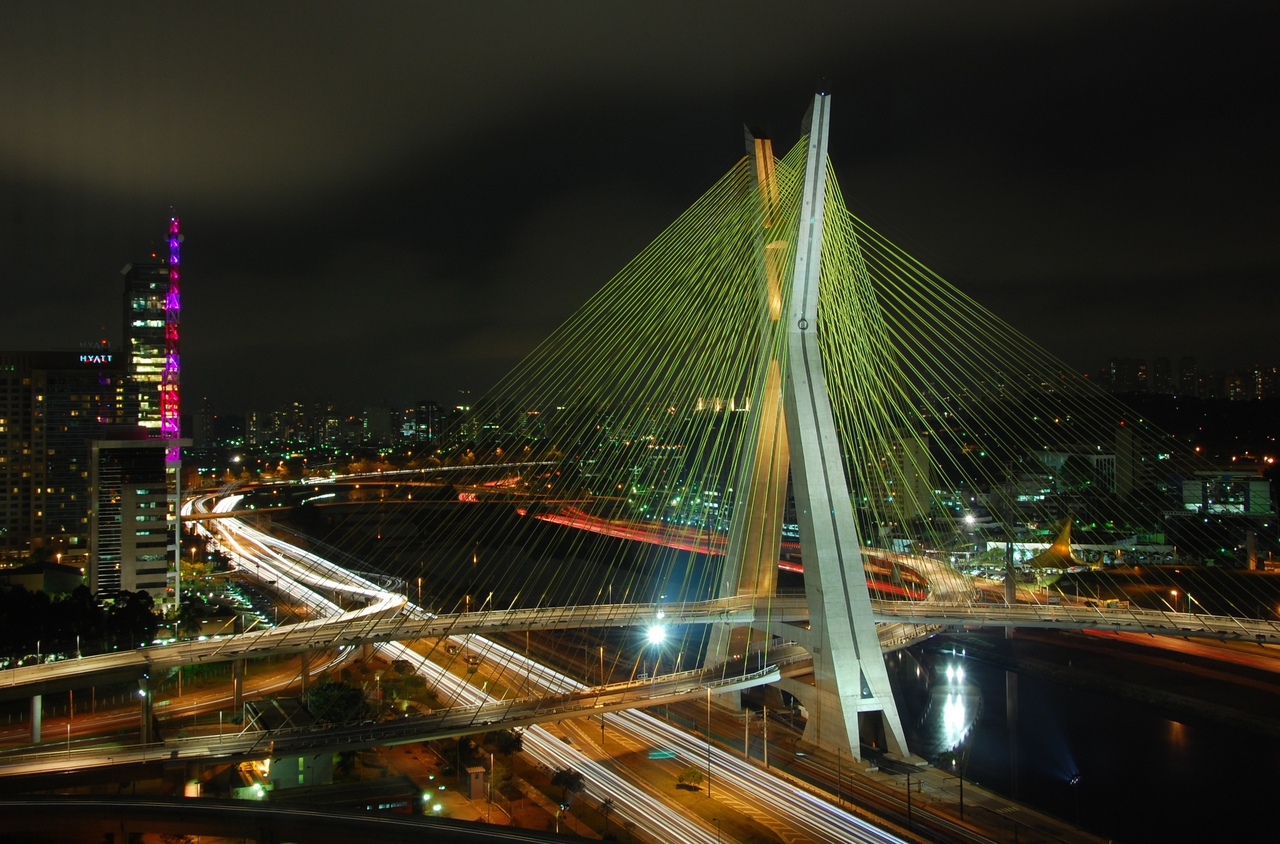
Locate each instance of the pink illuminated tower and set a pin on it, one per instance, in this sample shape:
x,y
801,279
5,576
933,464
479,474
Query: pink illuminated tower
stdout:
x,y
170,405
152,344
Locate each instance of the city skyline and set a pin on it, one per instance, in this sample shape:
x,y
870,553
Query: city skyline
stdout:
x,y
1048,160
929,449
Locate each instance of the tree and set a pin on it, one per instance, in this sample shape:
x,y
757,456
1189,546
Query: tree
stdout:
x,y
133,616
606,806
567,780
505,742
499,777
690,776
337,703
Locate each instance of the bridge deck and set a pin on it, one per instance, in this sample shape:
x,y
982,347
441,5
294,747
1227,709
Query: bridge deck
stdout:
x,y
444,723
390,620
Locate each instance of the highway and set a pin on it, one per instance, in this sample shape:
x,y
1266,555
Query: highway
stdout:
x,y
386,618
1069,617
194,702
652,817
309,579
445,723
743,782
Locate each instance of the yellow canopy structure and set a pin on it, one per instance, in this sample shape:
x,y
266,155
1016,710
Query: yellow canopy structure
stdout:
x,y
1058,555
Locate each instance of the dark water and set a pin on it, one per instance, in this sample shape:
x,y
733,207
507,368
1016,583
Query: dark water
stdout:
x,y
1144,777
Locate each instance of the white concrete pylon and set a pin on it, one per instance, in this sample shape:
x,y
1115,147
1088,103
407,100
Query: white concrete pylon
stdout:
x,y
849,670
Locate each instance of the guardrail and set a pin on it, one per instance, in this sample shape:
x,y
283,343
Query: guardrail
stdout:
x,y
450,720
1091,617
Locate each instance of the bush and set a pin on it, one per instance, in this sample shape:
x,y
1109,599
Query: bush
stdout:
x,y
690,776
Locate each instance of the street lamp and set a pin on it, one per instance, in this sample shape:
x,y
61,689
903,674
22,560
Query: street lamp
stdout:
x,y
1174,593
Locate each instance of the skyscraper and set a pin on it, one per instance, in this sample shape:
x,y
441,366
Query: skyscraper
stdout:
x,y
1162,377
135,530
1188,378
146,287
152,326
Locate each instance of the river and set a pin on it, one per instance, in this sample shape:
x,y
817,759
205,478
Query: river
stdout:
x,y
1143,776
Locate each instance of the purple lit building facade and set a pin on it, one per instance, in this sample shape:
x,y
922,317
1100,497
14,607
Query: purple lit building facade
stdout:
x,y
138,468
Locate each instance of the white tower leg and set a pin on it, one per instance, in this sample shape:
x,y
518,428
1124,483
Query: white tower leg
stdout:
x,y
849,671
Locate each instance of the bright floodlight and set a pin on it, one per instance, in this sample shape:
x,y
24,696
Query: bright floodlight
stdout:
x,y
656,634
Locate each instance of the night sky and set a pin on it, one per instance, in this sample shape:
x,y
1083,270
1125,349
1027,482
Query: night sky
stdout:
x,y
397,202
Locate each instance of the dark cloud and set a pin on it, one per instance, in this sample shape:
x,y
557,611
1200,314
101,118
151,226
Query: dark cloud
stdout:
x,y
399,200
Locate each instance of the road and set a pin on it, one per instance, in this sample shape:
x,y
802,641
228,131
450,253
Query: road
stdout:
x,y
753,787
308,579
200,701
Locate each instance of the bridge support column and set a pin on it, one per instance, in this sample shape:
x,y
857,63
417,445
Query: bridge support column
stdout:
x,y
237,684
37,716
1010,577
366,651
192,779
146,716
306,672
755,535
851,682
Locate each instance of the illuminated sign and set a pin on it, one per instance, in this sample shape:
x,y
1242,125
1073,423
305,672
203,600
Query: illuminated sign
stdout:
x,y
95,358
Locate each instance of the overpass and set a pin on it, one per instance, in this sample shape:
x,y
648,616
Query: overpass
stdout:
x,y
391,619
444,723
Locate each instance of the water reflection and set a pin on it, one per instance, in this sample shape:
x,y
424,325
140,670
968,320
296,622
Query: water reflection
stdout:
x,y
955,724
945,702
1139,776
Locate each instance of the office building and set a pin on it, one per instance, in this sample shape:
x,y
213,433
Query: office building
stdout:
x,y
146,286
429,419
1127,375
1162,381
135,536
1188,378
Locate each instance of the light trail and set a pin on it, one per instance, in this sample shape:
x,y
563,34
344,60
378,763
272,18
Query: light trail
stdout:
x,y
650,815
746,783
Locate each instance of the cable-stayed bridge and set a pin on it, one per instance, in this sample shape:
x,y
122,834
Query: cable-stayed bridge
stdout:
x,y
773,381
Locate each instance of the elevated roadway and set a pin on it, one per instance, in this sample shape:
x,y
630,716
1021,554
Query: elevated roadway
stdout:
x,y
1077,617
387,619
445,723
390,619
